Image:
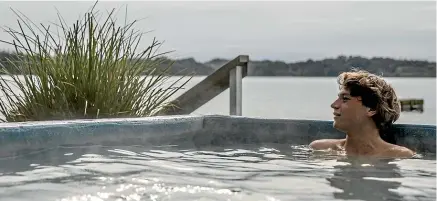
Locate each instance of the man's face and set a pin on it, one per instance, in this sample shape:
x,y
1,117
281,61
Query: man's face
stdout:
x,y
349,112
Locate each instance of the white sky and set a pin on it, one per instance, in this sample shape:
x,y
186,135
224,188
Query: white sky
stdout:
x,y
287,31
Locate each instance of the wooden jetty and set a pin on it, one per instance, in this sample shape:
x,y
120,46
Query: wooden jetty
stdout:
x,y
409,105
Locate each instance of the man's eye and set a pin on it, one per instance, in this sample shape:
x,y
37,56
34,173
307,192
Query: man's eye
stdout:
x,y
345,98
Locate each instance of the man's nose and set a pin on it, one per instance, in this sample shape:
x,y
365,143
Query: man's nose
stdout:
x,y
334,105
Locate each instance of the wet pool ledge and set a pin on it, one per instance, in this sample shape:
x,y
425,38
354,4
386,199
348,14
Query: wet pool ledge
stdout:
x,y
188,131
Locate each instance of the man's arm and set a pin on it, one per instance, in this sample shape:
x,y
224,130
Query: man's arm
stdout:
x,y
324,144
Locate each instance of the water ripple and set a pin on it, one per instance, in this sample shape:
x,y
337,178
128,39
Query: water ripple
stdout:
x,y
269,172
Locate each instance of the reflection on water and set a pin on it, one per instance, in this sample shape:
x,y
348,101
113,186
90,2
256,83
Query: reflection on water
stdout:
x,y
366,180
268,172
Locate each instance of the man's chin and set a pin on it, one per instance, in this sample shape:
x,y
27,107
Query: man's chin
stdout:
x,y
334,124
337,126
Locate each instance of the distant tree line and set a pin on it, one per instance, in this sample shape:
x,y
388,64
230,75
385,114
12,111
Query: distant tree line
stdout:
x,y
388,67
328,67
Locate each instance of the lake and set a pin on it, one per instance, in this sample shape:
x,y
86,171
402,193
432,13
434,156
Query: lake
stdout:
x,y
311,97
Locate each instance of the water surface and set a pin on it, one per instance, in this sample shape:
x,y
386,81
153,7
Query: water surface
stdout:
x,y
245,172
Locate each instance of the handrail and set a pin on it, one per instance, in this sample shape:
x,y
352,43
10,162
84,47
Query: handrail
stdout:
x,y
228,76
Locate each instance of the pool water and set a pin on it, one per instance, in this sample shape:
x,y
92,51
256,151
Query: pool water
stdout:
x,y
246,172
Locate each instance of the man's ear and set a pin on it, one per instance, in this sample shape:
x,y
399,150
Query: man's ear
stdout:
x,y
371,112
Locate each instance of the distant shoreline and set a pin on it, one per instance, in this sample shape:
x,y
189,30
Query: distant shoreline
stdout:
x,y
329,67
289,76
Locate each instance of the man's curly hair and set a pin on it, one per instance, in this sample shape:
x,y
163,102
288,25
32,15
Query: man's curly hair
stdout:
x,y
375,93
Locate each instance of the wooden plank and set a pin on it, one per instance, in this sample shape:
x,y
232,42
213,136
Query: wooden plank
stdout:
x,y
207,89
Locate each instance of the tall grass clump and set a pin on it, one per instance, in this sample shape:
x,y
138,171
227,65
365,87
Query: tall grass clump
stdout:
x,y
91,69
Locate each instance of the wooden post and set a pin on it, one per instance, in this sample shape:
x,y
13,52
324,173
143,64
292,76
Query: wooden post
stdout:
x,y
235,91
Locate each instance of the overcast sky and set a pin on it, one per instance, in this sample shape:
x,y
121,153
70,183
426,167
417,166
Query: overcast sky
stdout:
x,y
287,31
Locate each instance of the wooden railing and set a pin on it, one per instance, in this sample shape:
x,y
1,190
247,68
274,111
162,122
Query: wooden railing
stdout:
x,y
229,75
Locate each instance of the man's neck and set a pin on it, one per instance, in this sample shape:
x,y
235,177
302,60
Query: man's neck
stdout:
x,y
363,141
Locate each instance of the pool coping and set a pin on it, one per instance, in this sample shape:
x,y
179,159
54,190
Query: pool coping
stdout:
x,y
195,131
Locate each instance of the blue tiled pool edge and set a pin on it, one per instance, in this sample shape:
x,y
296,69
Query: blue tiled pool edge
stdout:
x,y
188,131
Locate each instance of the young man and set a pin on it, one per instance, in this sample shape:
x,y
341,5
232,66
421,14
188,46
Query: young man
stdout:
x,y
365,105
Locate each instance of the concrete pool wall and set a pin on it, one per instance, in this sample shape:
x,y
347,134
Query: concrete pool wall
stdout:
x,y
188,131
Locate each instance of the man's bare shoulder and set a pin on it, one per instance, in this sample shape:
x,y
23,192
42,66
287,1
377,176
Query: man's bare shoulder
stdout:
x,y
326,143
398,151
